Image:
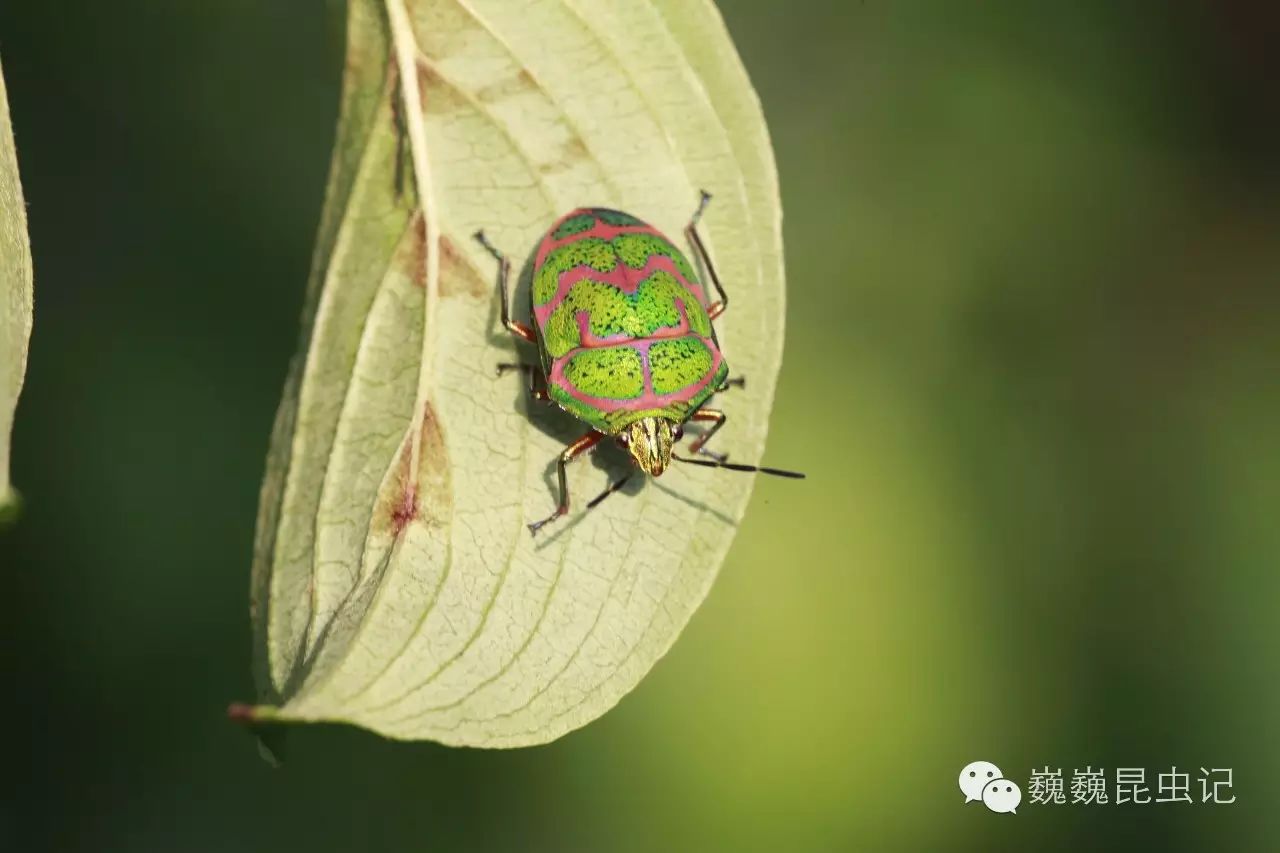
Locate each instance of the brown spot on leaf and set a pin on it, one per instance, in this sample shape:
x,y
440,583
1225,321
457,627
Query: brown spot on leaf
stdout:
x,y
406,510
424,496
418,248
450,257
570,154
519,84
428,75
458,277
439,95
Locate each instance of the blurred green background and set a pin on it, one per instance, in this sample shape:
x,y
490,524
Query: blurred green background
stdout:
x,y
1032,358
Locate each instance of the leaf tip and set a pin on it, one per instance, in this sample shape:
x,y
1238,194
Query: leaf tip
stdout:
x,y
242,712
270,740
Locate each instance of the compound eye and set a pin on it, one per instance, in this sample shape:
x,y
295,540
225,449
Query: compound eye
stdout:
x,y
624,440
678,433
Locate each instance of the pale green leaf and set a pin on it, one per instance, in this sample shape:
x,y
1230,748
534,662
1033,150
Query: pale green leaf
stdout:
x,y
395,585
15,296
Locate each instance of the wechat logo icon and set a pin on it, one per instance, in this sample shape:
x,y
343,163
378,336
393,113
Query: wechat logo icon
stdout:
x,y
982,780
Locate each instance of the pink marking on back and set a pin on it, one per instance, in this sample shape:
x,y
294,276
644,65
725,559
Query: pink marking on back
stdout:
x,y
648,399
600,230
622,277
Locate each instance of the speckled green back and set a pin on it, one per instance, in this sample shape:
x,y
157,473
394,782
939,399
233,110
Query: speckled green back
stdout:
x,y
622,322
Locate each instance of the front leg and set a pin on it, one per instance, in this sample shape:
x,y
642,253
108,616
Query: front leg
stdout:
x,y
716,418
572,452
715,309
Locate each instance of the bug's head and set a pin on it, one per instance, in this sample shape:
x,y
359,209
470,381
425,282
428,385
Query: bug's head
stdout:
x,y
649,441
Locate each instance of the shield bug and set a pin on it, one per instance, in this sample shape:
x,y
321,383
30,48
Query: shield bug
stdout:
x,y
625,339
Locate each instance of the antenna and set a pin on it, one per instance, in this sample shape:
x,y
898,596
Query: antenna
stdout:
x,y
733,466
613,487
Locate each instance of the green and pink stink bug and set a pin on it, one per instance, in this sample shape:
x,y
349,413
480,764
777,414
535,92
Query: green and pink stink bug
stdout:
x,y
623,328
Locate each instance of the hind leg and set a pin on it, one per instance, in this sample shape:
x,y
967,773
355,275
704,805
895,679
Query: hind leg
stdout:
x,y
520,330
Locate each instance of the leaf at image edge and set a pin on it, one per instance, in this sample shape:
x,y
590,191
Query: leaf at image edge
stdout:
x,y
15,297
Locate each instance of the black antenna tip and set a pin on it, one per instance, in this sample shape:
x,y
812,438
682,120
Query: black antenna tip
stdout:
x,y
734,466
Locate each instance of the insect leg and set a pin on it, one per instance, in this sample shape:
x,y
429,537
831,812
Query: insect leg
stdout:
x,y
613,487
691,231
735,382
717,419
537,380
572,452
520,330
